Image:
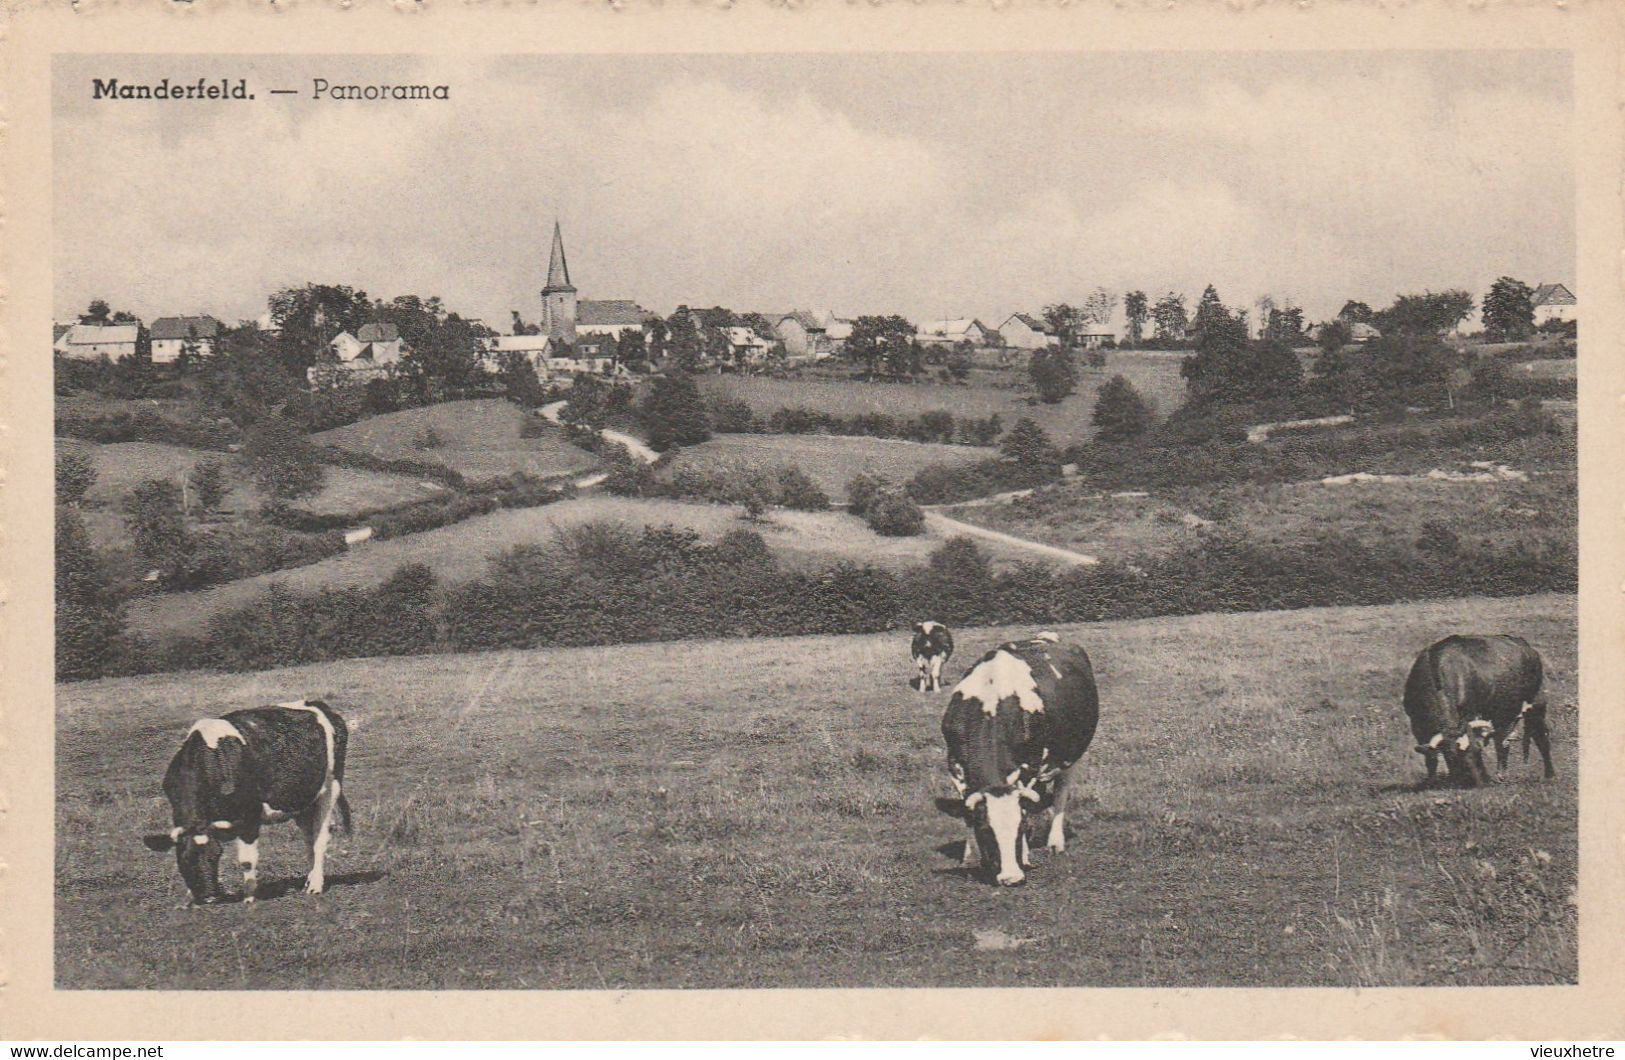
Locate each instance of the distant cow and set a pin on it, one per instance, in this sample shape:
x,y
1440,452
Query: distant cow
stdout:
x,y
933,646
1464,690
249,768
1016,726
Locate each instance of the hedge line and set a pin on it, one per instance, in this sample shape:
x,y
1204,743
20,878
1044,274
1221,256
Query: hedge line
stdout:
x,y
363,461
608,585
146,425
939,425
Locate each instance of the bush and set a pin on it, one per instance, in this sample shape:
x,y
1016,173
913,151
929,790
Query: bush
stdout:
x,y
981,432
429,438
146,425
208,480
799,492
152,511
732,417
862,491
355,458
1053,374
674,413
1120,412
895,515
89,615
1028,444
75,474
281,462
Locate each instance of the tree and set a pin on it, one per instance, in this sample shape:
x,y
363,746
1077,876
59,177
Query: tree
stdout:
x,y
894,514
881,341
1429,313
588,408
520,327
1407,362
684,344
152,512
1028,444
97,313
1053,373
1120,412
519,380
1218,368
629,348
1169,315
75,474
959,365
1355,313
674,413
1334,335
1509,310
280,461
308,317
1098,307
89,615
1065,320
1137,310
862,492
208,480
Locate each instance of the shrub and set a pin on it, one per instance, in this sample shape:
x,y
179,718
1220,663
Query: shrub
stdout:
x,y
1028,444
895,515
355,458
1120,412
937,426
981,432
1438,538
152,511
732,417
75,474
428,438
281,462
862,490
208,480
1053,374
146,425
89,615
799,492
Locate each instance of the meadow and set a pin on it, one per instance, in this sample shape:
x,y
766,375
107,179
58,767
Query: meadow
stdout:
x,y
481,439
760,813
1007,393
800,540
830,460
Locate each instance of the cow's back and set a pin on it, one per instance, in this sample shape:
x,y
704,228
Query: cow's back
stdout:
x,y
1066,683
289,747
1465,677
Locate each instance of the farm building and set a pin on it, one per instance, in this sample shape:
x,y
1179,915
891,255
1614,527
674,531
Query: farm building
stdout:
x,y
953,332
1554,301
747,347
805,336
1026,332
171,334
609,317
90,341
367,354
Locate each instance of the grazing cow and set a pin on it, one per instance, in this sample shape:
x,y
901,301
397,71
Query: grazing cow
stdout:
x,y
249,768
1016,726
1464,690
933,646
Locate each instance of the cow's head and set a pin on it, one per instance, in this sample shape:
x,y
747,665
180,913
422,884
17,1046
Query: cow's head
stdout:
x,y
197,854
1464,753
1000,811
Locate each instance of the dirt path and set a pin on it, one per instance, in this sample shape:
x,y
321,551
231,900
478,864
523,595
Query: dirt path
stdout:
x,y
946,526
626,441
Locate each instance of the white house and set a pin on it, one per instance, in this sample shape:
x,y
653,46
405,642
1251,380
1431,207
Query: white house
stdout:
x,y
747,347
368,354
837,330
953,332
90,341
1553,301
1026,332
805,336
171,334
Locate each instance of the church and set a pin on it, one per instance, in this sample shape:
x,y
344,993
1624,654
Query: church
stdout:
x,y
576,335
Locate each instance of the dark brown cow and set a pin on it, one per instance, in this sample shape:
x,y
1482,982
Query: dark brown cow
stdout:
x,y
1465,690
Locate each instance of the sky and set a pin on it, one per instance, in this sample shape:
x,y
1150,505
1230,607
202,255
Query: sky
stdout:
x,y
928,185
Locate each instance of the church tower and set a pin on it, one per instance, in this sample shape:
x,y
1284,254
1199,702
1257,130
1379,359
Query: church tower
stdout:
x,y
558,297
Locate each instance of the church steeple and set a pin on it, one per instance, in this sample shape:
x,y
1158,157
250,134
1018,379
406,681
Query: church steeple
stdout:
x,y
558,270
559,297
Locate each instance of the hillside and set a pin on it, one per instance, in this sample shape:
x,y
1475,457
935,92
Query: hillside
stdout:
x,y
479,439
760,814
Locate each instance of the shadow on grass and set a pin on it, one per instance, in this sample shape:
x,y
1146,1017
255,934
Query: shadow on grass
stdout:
x,y
294,886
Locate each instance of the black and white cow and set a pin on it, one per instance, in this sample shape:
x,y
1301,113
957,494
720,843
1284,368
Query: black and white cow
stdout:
x,y
1016,726
933,646
247,769
1463,691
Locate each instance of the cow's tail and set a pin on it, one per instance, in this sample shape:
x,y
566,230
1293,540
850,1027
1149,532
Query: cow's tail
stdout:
x,y
344,813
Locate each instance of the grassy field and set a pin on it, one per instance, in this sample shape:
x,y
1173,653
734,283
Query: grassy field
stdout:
x,y
1375,513
760,814
831,460
459,552
479,439
121,466
1154,375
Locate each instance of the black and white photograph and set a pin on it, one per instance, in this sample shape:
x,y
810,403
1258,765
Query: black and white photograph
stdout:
x,y
747,520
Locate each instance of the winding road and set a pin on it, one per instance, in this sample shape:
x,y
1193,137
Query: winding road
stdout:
x,y
632,445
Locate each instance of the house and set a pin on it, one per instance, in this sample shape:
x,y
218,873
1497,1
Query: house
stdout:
x,y
608,317
366,355
1358,332
955,331
1093,336
552,360
805,336
1553,301
747,347
170,336
837,330
89,341
1025,332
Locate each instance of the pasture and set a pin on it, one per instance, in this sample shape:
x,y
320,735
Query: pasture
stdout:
x,y
760,814
830,460
1154,375
479,439
459,552
1378,514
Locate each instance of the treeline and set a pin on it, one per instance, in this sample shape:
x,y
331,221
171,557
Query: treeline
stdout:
x,y
605,584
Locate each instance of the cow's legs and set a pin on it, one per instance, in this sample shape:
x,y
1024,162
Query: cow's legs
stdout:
x,y
923,684
1502,753
248,859
1535,729
1063,795
1432,757
936,673
317,824
972,858
1022,850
